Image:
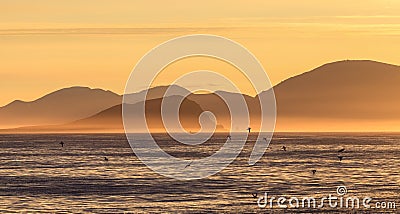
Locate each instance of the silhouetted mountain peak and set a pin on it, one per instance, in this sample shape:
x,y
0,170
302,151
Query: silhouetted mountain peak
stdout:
x,y
59,106
155,93
344,72
15,103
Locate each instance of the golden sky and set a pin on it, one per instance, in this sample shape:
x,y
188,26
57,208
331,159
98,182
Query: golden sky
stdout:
x,y
48,45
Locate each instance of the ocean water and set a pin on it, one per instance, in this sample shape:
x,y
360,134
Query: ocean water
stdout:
x,y
38,175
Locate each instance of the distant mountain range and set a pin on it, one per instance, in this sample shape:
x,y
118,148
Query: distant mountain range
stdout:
x,y
59,107
356,95
341,96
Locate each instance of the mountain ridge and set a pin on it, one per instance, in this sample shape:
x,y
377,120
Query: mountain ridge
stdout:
x,y
327,96
57,107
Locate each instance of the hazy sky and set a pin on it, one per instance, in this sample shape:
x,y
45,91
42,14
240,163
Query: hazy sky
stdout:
x,y
47,45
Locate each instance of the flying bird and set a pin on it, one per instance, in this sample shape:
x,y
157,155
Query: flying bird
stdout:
x,y
313,171
249,129
188,164
341,150
340,158
62,144
284,148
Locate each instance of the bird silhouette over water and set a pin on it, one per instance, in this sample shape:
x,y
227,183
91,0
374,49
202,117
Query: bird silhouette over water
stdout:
x,y
284,148
341,150
105,159
254,195
249,129
313,171
188,164
340,158
62,144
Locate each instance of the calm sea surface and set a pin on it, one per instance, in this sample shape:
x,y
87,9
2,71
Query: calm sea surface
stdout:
x,y
37,174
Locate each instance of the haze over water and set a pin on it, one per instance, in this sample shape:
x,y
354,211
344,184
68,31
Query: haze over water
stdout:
x,y
37,174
